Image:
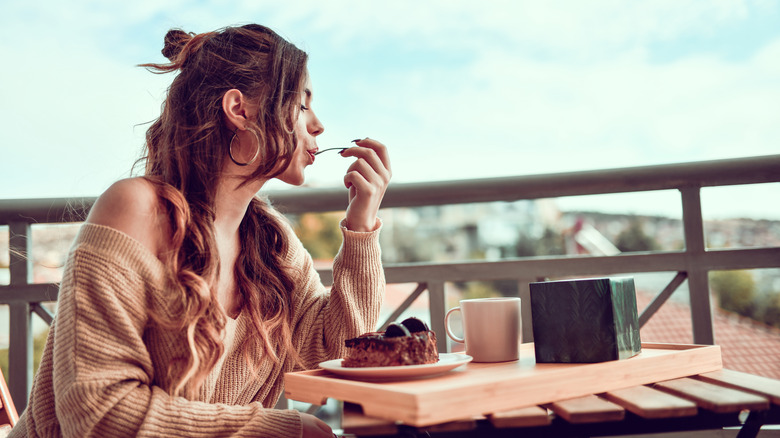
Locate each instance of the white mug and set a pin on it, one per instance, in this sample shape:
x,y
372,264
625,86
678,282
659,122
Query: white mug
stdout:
x,y
491,328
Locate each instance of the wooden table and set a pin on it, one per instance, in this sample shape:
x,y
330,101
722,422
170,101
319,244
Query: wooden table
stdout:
x,y
666,388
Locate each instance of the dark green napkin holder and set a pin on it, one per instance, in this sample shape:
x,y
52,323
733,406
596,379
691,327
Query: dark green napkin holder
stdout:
x,y
585,320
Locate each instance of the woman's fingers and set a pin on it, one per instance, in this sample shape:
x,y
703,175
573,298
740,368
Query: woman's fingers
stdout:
x,y
313,427
379,148
372,162
374,152
367,179
356,180
368,172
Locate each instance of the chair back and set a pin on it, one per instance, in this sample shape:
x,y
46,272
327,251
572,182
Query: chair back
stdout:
x,y
8,413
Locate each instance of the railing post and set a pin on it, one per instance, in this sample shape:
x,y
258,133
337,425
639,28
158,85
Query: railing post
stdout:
x,y
20,354
438,305
698,281
524,292
20,348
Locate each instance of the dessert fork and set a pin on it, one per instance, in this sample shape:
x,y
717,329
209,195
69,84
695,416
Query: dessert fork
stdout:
x,y
330,149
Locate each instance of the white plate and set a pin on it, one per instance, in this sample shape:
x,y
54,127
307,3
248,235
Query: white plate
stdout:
x,y
447,361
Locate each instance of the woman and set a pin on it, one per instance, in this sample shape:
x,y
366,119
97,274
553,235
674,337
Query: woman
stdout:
x,y
185,297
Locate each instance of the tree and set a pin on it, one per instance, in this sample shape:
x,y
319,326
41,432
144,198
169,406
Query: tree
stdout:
x,y
735,290
319,233
634,238
550,243
39,341
479,289
770,313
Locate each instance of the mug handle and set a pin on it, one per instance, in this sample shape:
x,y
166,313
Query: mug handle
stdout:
x,y
447,326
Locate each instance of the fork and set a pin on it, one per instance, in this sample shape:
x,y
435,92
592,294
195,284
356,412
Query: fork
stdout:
x,y
330,149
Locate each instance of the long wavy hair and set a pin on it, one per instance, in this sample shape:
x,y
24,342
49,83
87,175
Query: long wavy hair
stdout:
x,y
184,153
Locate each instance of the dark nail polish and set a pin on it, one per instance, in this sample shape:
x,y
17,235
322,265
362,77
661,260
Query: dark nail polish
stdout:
x,y
356,140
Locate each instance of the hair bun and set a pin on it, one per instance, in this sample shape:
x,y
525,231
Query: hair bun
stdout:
x,y
175,40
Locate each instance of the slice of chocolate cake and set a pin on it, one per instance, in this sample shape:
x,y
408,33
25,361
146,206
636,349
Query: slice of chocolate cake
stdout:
x,y
407,343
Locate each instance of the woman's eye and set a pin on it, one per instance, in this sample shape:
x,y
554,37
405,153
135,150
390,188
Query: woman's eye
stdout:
x,y
304,108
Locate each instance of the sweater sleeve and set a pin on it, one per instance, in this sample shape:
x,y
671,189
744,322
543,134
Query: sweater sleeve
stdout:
x,y
103,375
323,319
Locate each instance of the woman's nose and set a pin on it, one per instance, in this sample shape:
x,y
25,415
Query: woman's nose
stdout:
x,y
315,127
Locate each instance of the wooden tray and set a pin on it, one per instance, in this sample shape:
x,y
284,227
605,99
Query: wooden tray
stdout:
x,y
483,388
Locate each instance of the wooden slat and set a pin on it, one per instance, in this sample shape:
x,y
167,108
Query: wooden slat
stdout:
x,y
354,422
524,417
650,403
712,397
588,409
454,426
756,384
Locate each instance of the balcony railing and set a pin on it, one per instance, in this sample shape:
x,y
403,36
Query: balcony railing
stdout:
x,y
692,264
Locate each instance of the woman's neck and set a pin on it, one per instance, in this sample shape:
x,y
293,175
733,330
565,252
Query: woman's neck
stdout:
x,y
231,203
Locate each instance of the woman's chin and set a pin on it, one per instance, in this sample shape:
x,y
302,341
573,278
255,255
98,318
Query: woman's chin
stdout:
x,y
293,180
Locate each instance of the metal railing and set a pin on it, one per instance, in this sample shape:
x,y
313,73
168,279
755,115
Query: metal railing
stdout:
x,y
692,263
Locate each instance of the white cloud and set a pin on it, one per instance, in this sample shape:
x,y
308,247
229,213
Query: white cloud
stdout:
x,y
695,108
571,29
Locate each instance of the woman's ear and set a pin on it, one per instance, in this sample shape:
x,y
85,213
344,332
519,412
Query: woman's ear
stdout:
x,y
234,107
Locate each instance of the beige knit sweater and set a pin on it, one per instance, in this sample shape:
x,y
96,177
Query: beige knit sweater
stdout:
x,y
104,358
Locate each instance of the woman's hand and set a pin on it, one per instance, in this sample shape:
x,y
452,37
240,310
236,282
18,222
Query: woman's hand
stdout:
x,y
367,179
313,427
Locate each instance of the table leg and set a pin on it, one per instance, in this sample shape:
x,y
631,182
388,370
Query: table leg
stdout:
x,y
752,425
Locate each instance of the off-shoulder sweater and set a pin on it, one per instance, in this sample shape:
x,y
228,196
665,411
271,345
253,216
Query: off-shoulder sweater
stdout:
x,y
105,357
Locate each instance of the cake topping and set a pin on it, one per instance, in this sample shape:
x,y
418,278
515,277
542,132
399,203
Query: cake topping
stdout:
x,y
396,330
414,325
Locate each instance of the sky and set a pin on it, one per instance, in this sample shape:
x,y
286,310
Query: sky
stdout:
x,y
456,90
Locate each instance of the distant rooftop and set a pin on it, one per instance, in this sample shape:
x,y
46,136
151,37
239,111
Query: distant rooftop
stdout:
x,y
746,345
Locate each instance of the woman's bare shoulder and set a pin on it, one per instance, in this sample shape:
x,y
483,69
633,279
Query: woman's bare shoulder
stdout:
x,y
132,207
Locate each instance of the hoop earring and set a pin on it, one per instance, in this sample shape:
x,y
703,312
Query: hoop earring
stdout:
x,y
290,131
230,149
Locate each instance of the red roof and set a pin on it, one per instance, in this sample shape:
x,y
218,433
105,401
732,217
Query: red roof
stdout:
x,y
746,345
